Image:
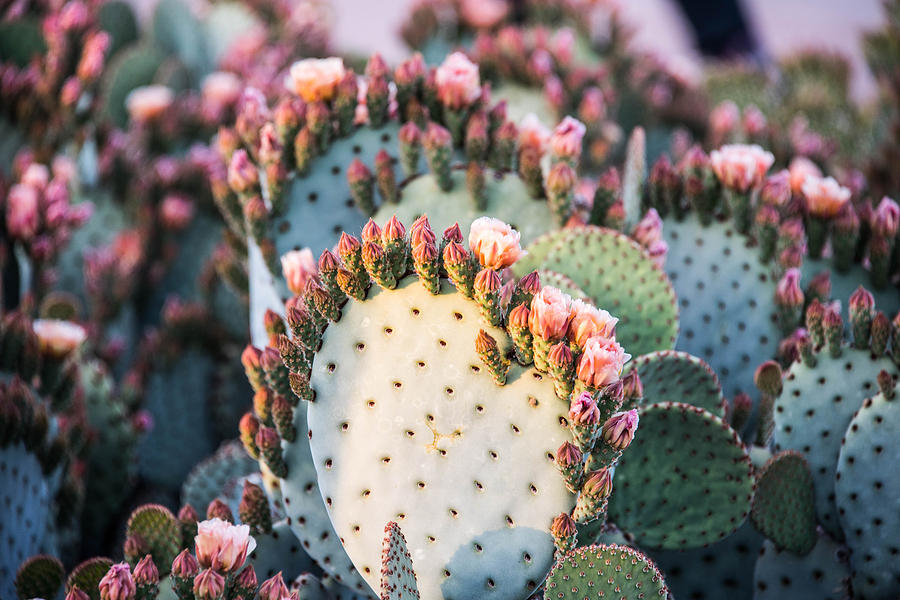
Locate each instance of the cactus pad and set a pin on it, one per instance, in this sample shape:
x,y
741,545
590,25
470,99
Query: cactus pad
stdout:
x,y
784,506
618,275
671,376
813,412
867,492
686,480
398,579
208,478
823,574
603,571
725,300
278,551
158,529
24,511
405,427
40,577
87,576
506,196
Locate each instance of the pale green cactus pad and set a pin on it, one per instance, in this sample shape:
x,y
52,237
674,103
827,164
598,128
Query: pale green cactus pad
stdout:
x,y
725,297
506,196
561,282
813,412
24,511
823,574
867,492
408,426
686,480
720,570
616,273
670,376
784,505
210,477
603,571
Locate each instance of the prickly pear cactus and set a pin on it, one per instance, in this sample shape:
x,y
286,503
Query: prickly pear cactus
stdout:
x,y
40,576
598,571
784,503
670,376
686,482
821,574
866,492
219,473
615,272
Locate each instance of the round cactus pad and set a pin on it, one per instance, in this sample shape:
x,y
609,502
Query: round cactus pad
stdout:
x,y
868,492
671,376
209,477
725,296
823,574
784,505
813,412
506,196
408,427
605,571
685,481
40,576
88,574
159,530
616,273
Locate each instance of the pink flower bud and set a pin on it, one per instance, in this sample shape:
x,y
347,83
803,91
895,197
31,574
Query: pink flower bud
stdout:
x,y
754,121
550,313
222,89
533,134
824,197
117,584
741,167
242,173
861,301
598,483
562,44
63,169
601,362
36,175
723,119
145,572
563,526
588,321
176,211
209,585
185,565
315,79
593,105
494,243
788,292
886,219
776,191
458,82
565,142
583,410
618,431
298,267
483,14
93,57
149,102
223,546
273,588
649,229
73,15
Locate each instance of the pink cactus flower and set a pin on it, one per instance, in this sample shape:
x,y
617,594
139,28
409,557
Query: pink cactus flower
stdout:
x,y
242,174
458,82
58,338
148,103
298,266
565,142
800,168
483,14
741,167
22,214
824,197
788,291
176,211
316,79
550,313
601,362
495,243
117,584
223,546
589,321
533,133
723,119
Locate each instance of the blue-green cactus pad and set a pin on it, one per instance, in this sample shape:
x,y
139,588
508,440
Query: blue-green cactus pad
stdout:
x,y
605,572
823,574
670,376
209,477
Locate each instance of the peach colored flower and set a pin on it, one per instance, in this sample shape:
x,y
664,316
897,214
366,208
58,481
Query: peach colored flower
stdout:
x,y
149,102
458,82
495,243
824,197
565,142
601,362
58,338
223,546
800,168
550,313
315,79
22,214
741,167
222,88
589,321
483,14
298,267
533,133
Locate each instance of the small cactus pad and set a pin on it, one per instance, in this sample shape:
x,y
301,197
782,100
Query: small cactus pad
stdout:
x,y
398,579
408,426
563,283
725,300
616,273
506,199
40,577
670,376
87,576
24,511
813,412
784,506
209,477
158,529
605,571
823,574
867,491
686,480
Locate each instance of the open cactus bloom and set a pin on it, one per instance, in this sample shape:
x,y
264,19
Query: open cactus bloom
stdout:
x,y
444,399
